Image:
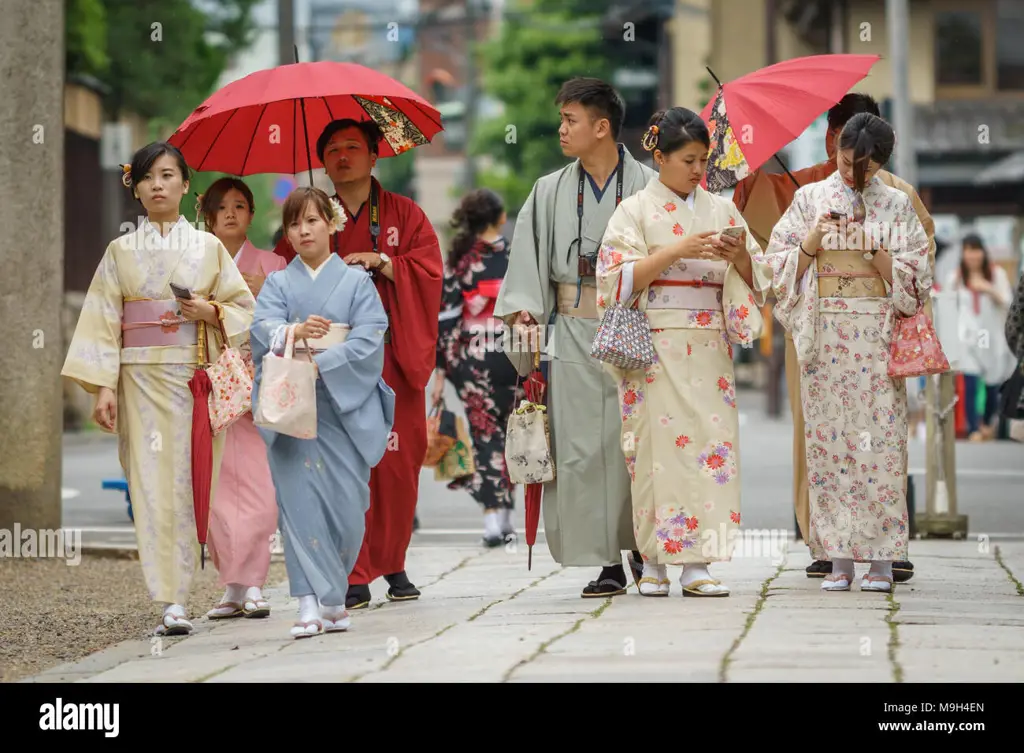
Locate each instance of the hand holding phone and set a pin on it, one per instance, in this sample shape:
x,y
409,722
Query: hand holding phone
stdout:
x,y
734,232
836,215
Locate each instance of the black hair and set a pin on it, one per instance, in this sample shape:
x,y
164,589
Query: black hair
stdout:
x,y
142,162
852,104
596,95
676,128
974,241
870,138
370,130
477,211
210,204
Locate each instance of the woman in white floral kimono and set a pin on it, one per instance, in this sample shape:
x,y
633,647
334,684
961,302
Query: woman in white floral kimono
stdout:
x,y
849,256
663,251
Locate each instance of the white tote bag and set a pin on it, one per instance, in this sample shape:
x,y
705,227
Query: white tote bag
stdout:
x,y
287,393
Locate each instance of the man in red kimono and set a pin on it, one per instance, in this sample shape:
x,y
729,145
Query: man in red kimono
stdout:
x,y
388,235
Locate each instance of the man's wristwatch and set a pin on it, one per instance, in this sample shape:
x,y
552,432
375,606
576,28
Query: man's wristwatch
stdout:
x,y
384,261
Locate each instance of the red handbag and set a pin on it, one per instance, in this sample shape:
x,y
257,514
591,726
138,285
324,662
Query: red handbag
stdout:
x,y
915,350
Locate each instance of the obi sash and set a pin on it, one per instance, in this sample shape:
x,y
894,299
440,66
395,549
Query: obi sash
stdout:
x,y
566,301
691,294
847,274
148,323
487,289
336,335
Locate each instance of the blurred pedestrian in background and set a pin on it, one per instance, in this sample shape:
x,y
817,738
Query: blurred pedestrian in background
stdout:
x,y
470,354
136,348
983,297
243,516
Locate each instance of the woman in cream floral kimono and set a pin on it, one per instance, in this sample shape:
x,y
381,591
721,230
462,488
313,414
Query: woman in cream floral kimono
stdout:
x,y
662,250
840,283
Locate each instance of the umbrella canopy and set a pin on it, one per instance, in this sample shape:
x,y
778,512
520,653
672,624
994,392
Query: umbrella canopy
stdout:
x,y
753,117
202,447
269,121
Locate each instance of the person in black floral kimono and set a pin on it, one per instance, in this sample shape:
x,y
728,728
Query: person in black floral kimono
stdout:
x,y
470,355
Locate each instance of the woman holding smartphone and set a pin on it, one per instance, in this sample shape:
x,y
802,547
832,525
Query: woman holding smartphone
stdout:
x,y
136,347
243,516
683,256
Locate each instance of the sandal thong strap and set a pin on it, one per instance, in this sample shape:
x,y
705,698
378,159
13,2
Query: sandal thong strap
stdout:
x,y
703,582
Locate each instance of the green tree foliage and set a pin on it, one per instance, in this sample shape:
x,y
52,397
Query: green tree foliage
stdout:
x,y
542,44
86,23
159,59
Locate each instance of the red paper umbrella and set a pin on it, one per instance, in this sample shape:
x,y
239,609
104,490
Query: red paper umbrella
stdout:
x,y
753,117
269,121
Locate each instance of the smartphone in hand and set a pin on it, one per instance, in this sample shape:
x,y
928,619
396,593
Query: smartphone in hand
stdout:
x,y
833,214
182,294
734,232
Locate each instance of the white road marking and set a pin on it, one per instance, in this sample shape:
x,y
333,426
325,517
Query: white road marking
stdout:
x,y
69,493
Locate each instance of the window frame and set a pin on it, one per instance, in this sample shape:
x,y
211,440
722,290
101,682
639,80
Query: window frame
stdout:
x,y
989,68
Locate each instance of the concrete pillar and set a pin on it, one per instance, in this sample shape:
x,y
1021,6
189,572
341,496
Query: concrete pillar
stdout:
x,y
32,258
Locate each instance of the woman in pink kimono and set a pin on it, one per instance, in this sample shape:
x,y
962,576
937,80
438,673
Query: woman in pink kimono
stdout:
x,y
243,516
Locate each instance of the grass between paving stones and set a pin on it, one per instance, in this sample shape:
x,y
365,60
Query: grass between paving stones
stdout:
x,y
723,668
546,644
1009,573
521,590
894,636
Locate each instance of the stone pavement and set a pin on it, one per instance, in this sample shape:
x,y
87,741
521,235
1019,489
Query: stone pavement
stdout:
x,y
484,617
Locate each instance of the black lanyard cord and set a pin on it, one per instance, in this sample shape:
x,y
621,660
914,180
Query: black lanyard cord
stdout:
x,y
579,215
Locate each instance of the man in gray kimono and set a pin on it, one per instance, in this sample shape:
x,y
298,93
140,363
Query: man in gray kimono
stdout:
x,y
550,290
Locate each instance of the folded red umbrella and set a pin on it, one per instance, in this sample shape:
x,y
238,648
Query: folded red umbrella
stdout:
x,y
756,115
202,448
269,121
536,392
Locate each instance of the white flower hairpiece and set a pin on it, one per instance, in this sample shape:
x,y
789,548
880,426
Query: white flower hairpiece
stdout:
x,y
338,218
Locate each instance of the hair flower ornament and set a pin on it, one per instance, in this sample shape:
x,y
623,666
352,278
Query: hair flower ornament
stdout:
x,y
126,175
338,218
650,141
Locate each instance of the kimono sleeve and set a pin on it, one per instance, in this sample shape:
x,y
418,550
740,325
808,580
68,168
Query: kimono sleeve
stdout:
x,y
449,320
912,271
350,370
94,354
351,373
776,268
621,247
761,288
236,301
419,275
526,282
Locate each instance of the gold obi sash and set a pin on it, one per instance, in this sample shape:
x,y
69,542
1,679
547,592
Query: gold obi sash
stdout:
x,y
566,300
847,274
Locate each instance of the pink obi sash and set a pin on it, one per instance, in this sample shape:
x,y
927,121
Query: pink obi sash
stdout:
x,y
147,324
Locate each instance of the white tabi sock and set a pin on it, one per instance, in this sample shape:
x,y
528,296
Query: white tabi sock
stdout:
x,y
658,572
253,594
492,529
693,573
843,567
309,608
883,569
175,609
505,519
233,594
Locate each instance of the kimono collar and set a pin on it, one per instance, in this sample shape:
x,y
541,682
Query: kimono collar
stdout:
x,y
152,232
695,201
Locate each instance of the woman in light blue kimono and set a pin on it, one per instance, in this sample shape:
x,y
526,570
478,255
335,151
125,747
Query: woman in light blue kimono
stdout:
x,y
322,484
